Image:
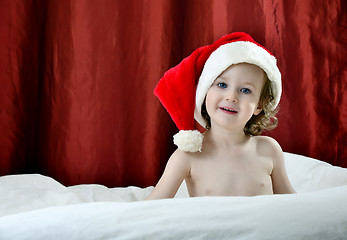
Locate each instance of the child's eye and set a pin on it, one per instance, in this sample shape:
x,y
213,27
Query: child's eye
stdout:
x,y
245,90
222,85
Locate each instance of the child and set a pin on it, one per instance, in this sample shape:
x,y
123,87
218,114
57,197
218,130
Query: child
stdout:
x,y
232,89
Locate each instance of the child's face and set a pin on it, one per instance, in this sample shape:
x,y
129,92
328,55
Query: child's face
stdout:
x,y
234,96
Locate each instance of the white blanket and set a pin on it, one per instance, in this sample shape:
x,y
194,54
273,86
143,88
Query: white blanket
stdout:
x,y
37,207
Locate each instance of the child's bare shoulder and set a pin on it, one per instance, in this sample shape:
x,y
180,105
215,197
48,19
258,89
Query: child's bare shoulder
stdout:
x,y
179,154
267,146
181,158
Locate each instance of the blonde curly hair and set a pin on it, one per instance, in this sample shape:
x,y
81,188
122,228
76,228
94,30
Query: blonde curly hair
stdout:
x,y
265,120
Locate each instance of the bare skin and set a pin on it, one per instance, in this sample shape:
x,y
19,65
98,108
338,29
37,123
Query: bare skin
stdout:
x,y
231,163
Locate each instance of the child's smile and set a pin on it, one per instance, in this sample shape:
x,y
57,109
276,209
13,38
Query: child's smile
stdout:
x,y
228,110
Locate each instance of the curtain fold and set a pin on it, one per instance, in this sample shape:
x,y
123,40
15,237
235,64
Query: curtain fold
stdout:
x,y
77,80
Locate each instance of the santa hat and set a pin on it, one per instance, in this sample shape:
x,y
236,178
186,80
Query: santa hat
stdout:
x,y
183,88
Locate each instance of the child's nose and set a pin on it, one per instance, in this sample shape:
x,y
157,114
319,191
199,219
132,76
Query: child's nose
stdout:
x,y
232,96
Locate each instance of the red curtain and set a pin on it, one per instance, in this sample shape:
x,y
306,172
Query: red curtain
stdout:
x,y
77,78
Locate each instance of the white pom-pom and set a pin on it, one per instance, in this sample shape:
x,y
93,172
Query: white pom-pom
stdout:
x,y
188,140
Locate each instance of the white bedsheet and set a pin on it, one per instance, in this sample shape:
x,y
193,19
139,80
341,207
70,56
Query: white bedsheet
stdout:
x,y
37,207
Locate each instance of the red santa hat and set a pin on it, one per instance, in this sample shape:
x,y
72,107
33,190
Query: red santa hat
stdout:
x,y
183,88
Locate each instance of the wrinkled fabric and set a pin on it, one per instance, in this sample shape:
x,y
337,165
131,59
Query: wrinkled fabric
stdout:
x,y
77,80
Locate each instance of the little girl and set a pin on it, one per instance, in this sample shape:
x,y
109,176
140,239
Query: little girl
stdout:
x,y
232,89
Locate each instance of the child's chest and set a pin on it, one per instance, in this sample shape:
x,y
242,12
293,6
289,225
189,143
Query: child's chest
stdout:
x,y
235,175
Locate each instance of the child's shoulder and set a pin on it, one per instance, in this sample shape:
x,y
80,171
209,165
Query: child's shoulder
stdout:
x,y
181,157
265,140
183,154
267,145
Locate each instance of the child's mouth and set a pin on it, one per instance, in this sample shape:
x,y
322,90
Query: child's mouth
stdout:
x,y
228,110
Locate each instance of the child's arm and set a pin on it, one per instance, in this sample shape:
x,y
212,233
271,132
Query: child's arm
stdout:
x,y
177,168
280,181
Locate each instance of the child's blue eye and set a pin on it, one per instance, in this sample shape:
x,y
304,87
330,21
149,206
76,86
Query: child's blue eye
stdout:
x,y
245,90
222,85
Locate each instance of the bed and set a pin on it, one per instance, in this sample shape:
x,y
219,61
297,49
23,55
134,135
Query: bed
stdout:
x,y
38,207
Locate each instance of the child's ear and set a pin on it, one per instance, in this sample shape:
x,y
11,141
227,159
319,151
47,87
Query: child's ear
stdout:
x,y
257,110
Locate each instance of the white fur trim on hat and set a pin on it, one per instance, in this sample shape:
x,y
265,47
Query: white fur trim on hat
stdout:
x,y
189,140
234,53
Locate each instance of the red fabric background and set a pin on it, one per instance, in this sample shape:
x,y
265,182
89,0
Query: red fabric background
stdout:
x,y
77,80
